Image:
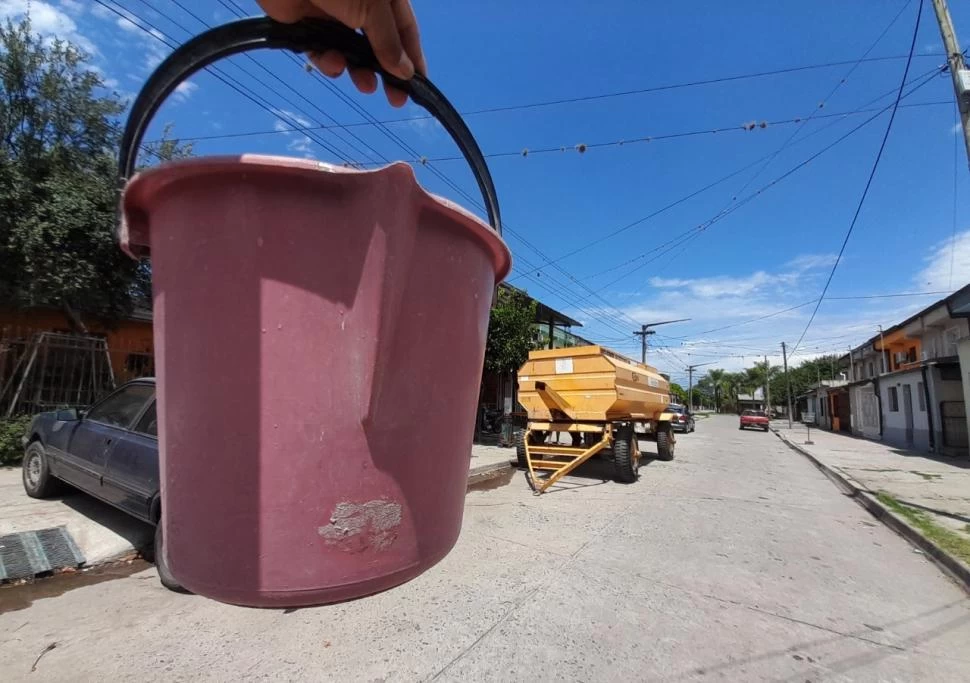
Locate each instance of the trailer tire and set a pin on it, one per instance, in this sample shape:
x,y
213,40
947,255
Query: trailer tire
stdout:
x,y
665,444
520,450
625,460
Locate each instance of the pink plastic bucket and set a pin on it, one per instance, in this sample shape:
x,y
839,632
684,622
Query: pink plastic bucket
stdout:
x,y
319,339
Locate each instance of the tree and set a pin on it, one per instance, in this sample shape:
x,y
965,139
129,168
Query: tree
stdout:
x,y
678,392
715,377
510,331
58,182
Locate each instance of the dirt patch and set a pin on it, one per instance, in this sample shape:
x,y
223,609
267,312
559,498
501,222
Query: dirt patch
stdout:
x,y
495,482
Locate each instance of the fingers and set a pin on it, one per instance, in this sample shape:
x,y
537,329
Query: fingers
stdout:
x,y
364,79
331,63
396,98
290,11
382,32
407,29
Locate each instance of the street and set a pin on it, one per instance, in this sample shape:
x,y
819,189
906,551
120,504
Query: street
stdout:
x,y
737,561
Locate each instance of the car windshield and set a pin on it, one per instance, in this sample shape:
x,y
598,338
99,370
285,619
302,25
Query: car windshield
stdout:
x,y
675,408
754,413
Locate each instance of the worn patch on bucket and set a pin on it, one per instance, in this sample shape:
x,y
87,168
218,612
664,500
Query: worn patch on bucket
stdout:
x,y
29,553
356,527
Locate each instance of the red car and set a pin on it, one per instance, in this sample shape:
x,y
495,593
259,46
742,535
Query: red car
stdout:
x,y
754,418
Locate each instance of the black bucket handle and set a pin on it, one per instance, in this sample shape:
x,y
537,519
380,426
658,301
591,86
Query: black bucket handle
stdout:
x,y
308,35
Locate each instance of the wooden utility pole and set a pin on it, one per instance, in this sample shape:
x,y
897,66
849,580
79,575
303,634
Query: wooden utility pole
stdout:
x,y
784,359
768,389
645,332
958,68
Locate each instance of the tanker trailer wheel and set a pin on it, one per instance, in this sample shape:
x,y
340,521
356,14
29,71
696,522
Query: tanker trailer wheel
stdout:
x,y
665,442
625,460
535,438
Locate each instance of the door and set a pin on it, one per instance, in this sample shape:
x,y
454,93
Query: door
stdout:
x,y
131,475
86,453
908,412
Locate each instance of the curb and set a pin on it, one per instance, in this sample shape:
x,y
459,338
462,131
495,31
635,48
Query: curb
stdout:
x,y
951,566
483,473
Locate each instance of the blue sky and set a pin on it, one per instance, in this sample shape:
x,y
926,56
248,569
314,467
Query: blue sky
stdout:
x,y
768,253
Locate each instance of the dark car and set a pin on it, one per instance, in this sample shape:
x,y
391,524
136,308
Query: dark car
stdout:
x,y
109,451
682,420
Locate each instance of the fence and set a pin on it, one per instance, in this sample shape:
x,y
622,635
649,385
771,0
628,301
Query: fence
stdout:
x,y
48,370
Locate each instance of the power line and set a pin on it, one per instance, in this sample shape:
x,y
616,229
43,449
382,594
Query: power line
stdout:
x,y
872,174
526,152
688,234
717,217
335,130
233,83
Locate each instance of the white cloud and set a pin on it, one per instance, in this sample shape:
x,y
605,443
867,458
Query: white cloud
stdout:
x,y
184,90
812,262
936,274
47,20
301,144
289,119
153,40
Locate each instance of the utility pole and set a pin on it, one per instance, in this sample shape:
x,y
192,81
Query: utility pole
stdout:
x,y
784,359
645,332
958,68
767,388
882,352
690,383
851,367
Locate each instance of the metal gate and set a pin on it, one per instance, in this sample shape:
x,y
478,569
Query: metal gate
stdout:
x,y
954,414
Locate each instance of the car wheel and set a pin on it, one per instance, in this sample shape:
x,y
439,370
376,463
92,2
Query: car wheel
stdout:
x,y
161,563
38,480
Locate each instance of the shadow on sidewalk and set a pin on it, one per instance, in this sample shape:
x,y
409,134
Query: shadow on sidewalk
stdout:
x,y
955,461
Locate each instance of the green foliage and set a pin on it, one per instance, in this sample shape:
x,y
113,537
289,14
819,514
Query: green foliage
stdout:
x,y
678,392
11,431
59,137
510,331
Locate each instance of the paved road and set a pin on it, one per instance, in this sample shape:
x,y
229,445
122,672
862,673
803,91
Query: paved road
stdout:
x,y
737,561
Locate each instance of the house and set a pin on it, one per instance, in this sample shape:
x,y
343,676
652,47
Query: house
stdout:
x,y
45,361
753,401
905,382
826,405
499,391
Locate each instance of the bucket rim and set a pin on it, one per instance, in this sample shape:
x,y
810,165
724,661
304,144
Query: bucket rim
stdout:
x,y
153,179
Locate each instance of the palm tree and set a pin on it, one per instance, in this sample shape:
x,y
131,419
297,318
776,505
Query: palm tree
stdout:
x,y
716,379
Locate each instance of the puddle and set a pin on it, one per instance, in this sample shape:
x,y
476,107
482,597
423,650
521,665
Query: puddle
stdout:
x,y
18,596
495,482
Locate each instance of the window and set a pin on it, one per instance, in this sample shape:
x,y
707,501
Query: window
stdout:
x,y
893,400
148,424
120,408
911,354
869,369
922,397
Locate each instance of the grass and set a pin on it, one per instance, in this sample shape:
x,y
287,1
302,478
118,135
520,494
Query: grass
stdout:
x,y
946,539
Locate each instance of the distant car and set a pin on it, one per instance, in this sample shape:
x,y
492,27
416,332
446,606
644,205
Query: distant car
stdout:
x,y
754,418
682,420
109,451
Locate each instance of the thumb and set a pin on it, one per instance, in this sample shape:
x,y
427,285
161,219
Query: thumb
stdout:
x,y
381,31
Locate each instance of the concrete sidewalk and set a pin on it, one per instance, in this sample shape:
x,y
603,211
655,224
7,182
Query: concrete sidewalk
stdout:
x,y
103,533
930,493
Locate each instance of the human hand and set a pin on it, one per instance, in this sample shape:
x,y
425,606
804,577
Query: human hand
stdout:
x,y
390,27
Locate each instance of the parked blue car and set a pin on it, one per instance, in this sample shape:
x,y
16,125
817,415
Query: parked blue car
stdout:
x,y
109,451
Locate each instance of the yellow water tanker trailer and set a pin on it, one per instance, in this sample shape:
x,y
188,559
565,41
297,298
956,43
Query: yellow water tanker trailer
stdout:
x,y
602,400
